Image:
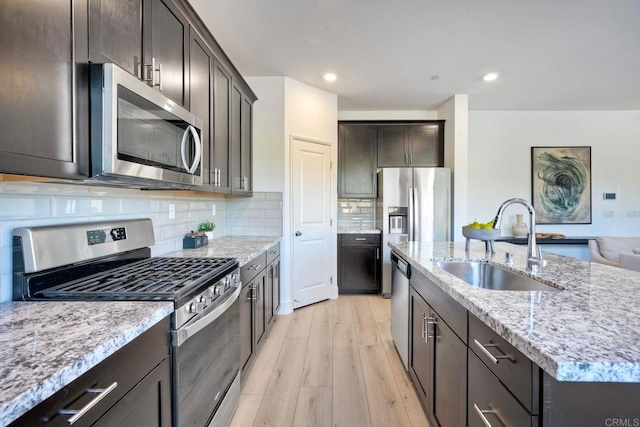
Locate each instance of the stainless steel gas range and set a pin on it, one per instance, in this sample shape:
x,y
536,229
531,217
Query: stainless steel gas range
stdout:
x,y
111,261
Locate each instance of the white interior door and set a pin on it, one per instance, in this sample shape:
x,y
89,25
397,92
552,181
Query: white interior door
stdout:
x,y
311,222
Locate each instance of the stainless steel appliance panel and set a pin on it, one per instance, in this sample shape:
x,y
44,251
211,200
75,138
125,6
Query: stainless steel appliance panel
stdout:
x,y
432,204
206,365
139,134
400,274
419,196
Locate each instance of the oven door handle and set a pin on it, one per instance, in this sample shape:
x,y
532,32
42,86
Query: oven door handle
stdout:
x,y
181,335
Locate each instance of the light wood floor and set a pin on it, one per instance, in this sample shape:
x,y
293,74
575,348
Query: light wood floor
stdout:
x,y
330,364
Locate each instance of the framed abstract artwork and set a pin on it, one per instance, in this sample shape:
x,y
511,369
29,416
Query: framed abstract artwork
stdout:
x,y
561,184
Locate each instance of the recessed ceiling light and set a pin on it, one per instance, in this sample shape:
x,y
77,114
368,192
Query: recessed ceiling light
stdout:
x,y
330,77
435,77
490,77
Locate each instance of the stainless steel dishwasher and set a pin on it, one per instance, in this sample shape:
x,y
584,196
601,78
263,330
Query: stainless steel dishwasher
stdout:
x,y
400,275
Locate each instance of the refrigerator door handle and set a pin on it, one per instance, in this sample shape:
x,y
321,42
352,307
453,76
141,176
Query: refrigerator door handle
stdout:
x,y
417,227
411,218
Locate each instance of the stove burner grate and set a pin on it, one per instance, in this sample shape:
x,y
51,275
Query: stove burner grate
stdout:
x,y
158,278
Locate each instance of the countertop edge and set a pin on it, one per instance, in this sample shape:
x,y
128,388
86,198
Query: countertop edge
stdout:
x,y
27,400
561,370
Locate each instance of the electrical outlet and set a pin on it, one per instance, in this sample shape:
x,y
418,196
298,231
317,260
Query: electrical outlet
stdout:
x,y
172,211
633,214
607,214
213,209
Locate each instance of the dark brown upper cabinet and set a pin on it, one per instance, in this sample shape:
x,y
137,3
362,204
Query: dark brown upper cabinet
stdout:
x,y
43,113
357,160
241,141
222,128
201,99
411,145
148,38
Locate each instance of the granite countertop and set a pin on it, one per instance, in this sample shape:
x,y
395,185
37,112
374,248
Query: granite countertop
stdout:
x,y
358,231
46,345
589,331
244,248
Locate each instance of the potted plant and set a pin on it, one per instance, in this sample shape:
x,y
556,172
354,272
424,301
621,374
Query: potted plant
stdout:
x,y
208,227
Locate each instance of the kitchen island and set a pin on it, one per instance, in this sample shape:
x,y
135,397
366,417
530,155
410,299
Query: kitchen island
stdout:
x,y
583,337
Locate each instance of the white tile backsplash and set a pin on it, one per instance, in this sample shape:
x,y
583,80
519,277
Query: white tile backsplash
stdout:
x,y
28,204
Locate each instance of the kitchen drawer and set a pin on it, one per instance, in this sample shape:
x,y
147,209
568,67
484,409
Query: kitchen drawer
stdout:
x,y
513,369
253,267
273,252
360,239
489,398
447,308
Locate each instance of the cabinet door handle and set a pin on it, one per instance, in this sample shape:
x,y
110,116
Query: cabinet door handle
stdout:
x,y
77,414
424,327
377,253
410,155
406,158
431,321
481,413
219,170
494,359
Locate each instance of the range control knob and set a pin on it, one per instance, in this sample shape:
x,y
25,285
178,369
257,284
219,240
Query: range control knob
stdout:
x,y
206,299
196,307
219,290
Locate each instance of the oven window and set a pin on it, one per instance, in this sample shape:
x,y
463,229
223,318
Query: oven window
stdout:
x,y
150,135
206,365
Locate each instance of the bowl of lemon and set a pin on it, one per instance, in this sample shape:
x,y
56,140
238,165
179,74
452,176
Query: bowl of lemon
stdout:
x,y
480,231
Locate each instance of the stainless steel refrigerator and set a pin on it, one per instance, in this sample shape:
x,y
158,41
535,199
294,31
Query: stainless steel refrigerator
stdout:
x,y
412,204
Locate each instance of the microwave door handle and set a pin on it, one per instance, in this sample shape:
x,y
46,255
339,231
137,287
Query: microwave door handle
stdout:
x,y
183,149
196,158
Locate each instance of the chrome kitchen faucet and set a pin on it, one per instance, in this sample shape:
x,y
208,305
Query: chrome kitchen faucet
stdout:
x,y
534,254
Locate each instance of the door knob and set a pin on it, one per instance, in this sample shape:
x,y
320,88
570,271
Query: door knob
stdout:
x,y
298,233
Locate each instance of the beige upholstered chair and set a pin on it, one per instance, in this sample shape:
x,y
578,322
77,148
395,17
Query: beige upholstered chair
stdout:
x,y
607,249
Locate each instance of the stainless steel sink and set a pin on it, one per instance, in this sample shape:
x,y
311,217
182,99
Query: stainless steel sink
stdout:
x,y
489,276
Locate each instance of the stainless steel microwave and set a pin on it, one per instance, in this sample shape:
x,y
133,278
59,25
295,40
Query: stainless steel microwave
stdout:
x,y
139,137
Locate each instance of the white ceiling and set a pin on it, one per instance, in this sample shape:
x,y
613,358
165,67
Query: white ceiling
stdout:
x,y
550,54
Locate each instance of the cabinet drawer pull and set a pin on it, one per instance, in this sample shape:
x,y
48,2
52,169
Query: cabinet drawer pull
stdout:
x,y
494,359
481,413
361,239
77,414
254,267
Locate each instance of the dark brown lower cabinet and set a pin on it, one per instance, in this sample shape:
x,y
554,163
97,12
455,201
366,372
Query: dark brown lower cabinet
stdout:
x,y
437,364
260,299
246,324
359,267
138,377
147,404
491,402
259,302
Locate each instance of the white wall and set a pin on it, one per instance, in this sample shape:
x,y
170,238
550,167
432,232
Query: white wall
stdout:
x,y
455,113
500,163
289,108
268,131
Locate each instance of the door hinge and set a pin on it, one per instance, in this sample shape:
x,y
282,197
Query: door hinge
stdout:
x,y
331,164
331,279
331,222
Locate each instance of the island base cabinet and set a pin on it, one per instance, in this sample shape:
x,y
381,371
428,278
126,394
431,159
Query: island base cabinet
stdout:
x,y
450,375
490,403
420,360
569,404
